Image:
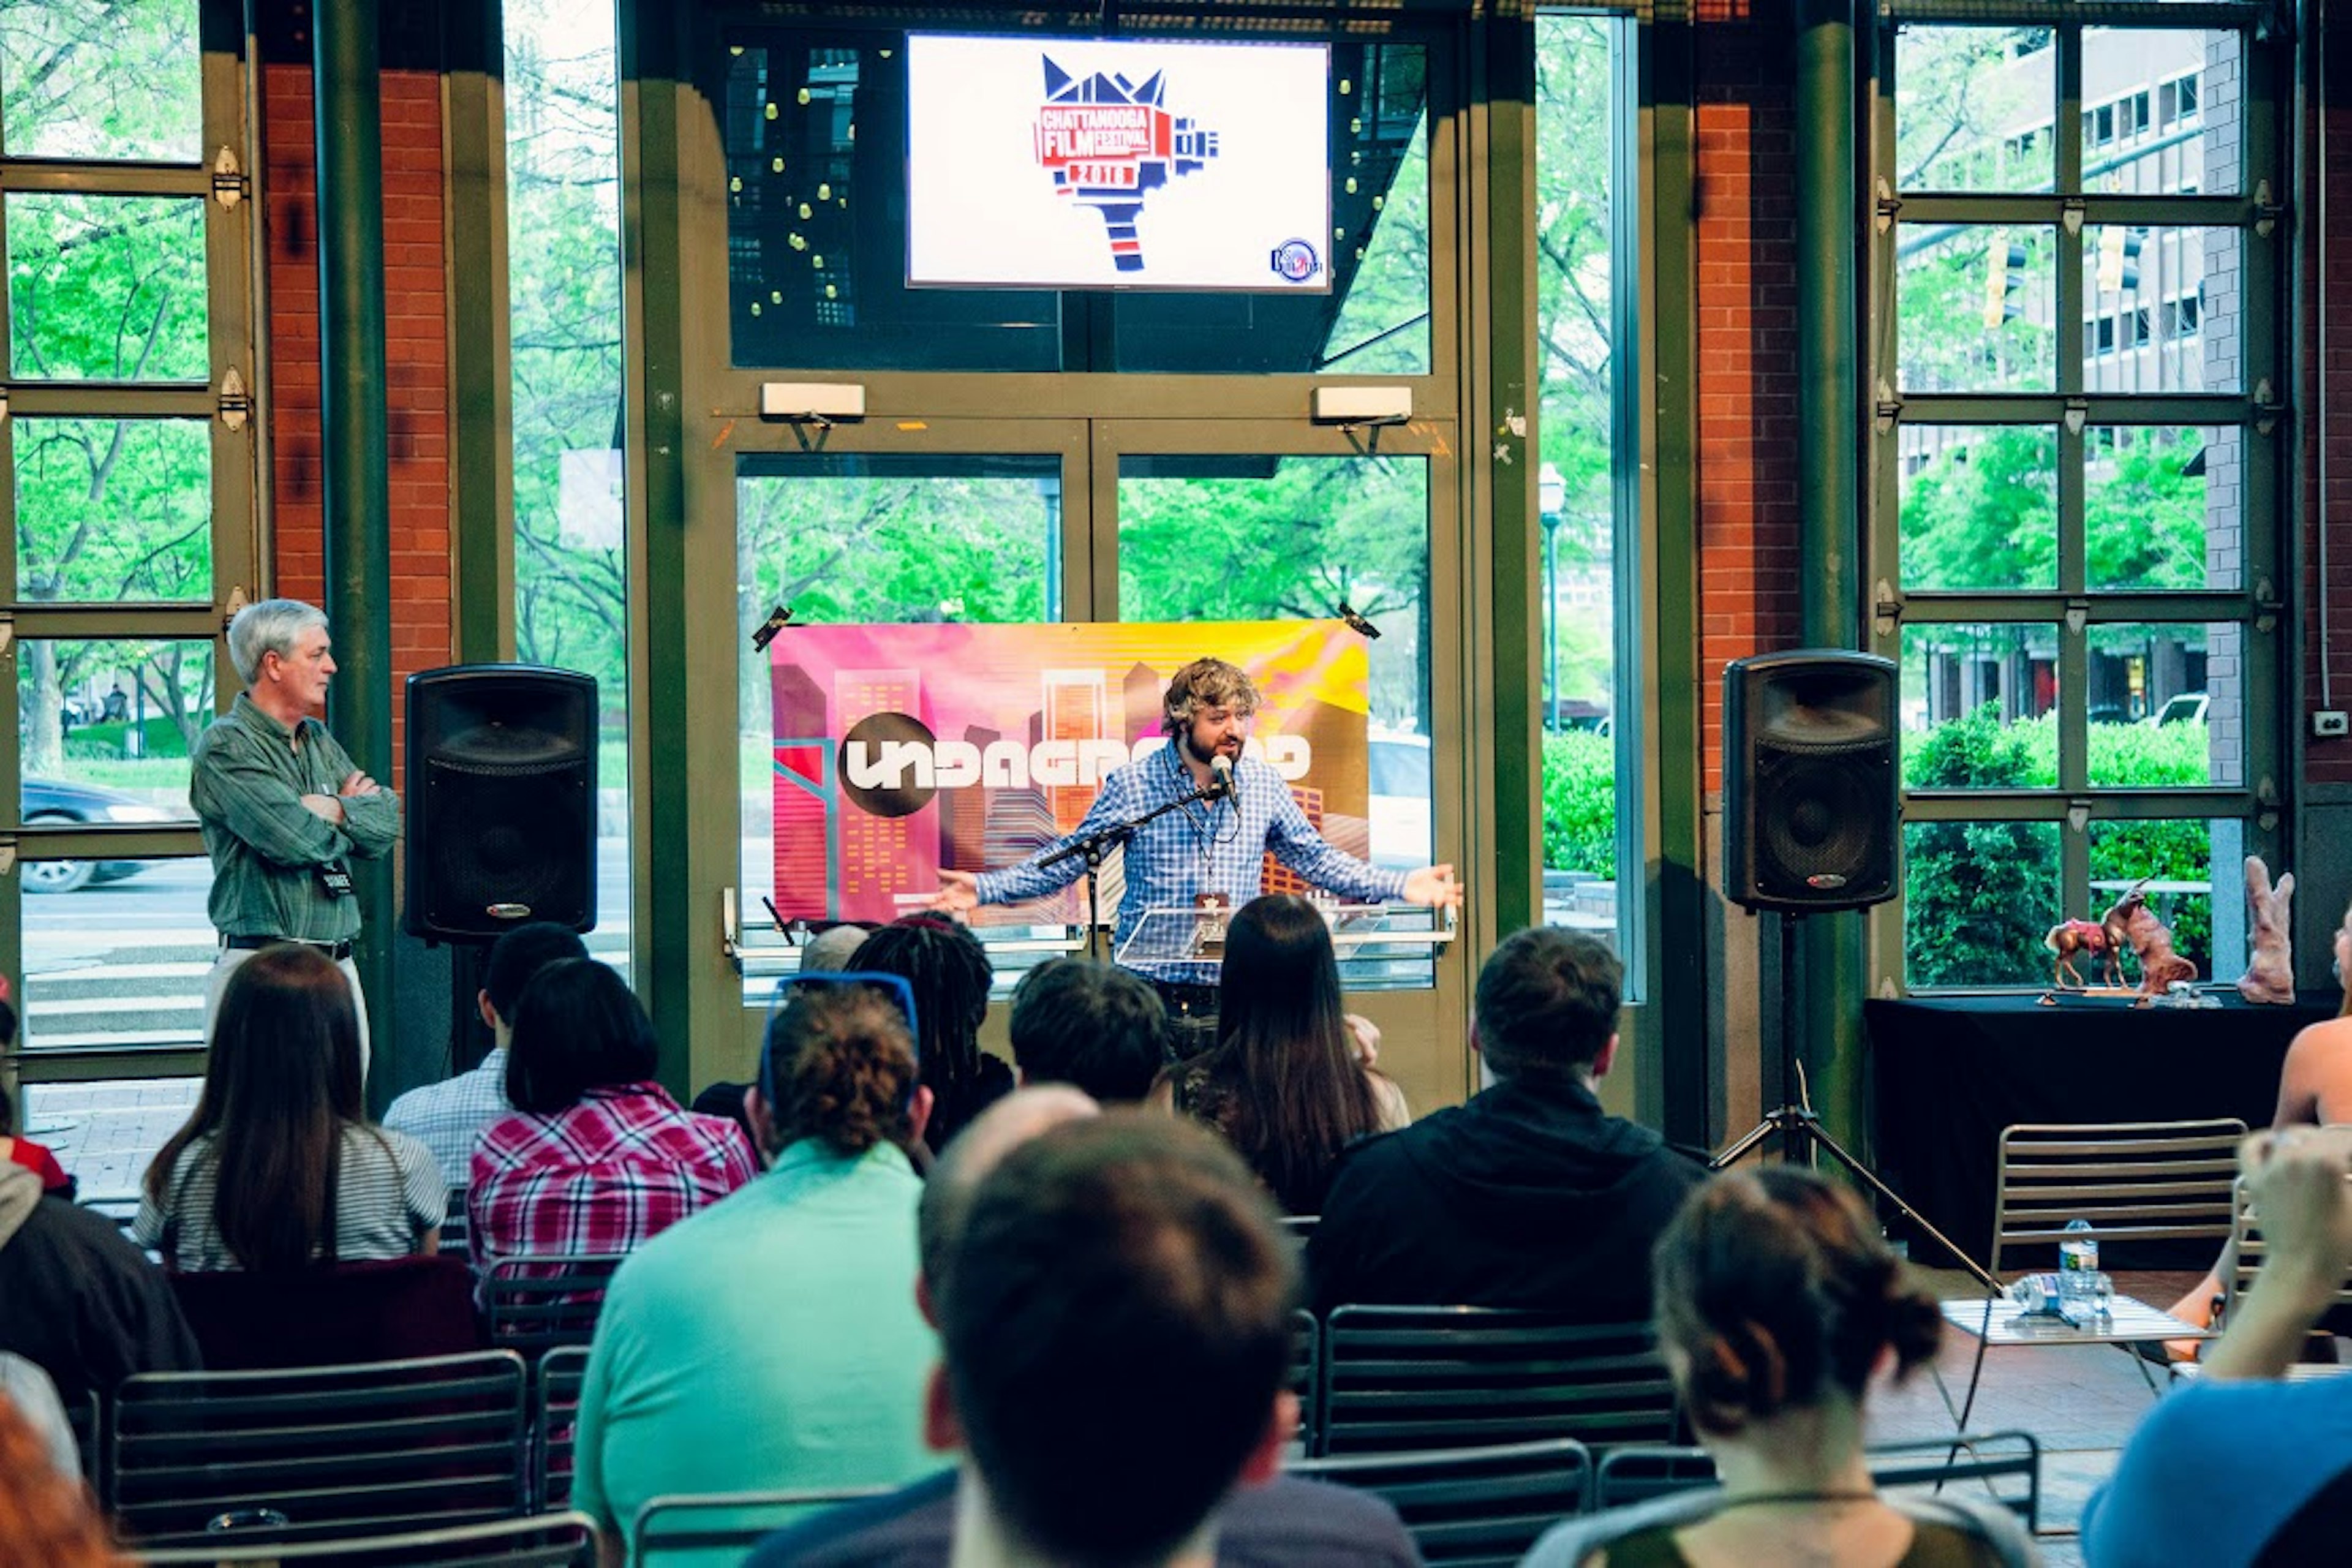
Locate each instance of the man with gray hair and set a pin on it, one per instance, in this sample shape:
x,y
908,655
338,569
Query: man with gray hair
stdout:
x,y
284,809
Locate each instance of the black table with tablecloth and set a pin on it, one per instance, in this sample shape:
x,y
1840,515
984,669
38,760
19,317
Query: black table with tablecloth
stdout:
x,y
1947,1073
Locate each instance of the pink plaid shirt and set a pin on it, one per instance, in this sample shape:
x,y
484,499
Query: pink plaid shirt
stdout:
x,y
601,1176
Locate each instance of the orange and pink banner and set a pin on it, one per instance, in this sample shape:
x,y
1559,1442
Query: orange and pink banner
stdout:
x,y
899,750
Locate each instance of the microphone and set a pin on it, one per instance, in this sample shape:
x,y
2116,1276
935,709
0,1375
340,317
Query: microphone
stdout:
x,y
1222,769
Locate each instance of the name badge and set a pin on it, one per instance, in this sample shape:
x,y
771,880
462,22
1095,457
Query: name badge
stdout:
x,y
334,882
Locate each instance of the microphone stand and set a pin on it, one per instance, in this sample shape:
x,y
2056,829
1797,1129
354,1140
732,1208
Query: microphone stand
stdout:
x,y
1096,848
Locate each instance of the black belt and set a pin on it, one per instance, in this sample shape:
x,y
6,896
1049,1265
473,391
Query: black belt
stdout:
x,y
338,950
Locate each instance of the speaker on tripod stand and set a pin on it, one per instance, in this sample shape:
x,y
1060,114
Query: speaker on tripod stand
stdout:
x,y
1810,826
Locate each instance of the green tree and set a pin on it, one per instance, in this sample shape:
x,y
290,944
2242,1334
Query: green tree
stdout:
x,y
1978,896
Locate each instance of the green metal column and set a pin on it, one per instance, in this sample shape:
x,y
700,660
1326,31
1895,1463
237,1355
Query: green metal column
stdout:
x,y
1830,506
357,492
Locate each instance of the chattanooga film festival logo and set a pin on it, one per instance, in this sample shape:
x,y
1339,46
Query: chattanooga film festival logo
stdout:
x,y
1107,141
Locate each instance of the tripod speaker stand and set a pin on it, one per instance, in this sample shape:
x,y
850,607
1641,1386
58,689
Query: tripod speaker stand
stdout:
x,y
1798,1122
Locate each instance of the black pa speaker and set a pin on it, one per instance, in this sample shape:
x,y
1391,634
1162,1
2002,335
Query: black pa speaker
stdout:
x,y
1810,781
501,800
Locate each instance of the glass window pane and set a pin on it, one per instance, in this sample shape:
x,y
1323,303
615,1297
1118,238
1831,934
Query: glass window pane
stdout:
x,y
105,1133
2167,705
106,728
2163,507
2161,309
875,539
1980,507
1974,307
1979,706
563,231
1977,898
114,511
106,288
2166,106
1972,109
2180,865
814,125
84,80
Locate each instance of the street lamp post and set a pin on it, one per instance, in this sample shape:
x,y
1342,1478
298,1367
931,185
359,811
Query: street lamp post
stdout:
x,y
1551,493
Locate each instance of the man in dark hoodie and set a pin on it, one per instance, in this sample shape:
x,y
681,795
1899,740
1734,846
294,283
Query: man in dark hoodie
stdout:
x,y
1529,1196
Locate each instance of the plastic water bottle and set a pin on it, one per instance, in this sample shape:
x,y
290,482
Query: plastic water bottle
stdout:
x,y
2078,1266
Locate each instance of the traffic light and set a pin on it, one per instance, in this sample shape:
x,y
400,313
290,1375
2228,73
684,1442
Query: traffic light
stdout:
x,y
2004,275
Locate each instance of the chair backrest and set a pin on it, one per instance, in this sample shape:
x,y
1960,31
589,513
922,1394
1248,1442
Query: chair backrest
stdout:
x,y
1306,1372
391,1309
1397,1379
555,1415
309,1452
534,1303
2251,1252
2002,1467
1471,1508
2135,1181
549,1541
84,1416
682,1526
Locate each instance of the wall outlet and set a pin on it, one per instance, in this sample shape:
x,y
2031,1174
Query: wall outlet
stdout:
x,y
2330,723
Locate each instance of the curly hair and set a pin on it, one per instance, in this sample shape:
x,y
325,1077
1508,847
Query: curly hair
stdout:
x,y
1202,684
44,1517
840,1067
1773,1289
950,974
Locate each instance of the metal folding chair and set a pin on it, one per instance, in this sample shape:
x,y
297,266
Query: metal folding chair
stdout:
x,y
1471,1508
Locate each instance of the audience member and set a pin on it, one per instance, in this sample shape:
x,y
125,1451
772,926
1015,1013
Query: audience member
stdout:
x,y
2315,1090
1093,1025
948,1190
951,975
597,1156
24,1385
278,1166
773,1340
828,952
1528,1195
1116,1320
2240,1466
15,1150
1777,1301
448,1117
1286,1083
46,1519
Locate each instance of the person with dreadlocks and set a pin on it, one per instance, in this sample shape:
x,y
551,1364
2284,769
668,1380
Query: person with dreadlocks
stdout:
x,y
950,974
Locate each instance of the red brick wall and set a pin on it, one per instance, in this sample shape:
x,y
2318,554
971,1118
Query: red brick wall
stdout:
x,y
2330,762
1747,344
417,360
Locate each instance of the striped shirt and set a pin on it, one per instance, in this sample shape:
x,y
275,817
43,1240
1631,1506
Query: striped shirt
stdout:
x,y
388,1193
599,1176
247,782
448,1117
1215,846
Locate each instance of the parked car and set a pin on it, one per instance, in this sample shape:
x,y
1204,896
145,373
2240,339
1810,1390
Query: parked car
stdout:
x,y
55,802
1400,801
2184,708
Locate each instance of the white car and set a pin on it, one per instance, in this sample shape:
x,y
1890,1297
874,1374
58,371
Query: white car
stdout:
x,y
1400,801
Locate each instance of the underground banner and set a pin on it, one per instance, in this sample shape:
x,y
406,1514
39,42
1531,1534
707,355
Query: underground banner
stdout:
x,y
898,750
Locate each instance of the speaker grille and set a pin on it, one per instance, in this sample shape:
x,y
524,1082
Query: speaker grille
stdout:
x,y
1822,827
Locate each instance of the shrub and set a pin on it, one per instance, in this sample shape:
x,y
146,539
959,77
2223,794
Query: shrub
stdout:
x,y
1579,803
1976,895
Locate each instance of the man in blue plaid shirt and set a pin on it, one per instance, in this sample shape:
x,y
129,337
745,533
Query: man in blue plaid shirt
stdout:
x,y
1215,845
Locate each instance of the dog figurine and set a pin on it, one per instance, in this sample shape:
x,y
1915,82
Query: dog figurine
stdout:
x,y
2152,944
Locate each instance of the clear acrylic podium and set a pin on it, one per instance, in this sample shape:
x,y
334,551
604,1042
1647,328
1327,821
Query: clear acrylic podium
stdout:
x,y
1188,935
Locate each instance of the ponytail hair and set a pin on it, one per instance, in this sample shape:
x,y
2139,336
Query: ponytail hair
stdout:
x,y
1774,1289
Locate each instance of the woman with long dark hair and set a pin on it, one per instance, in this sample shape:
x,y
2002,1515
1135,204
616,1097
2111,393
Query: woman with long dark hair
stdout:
x,y
279,1165
1285,1081
950,974
1778,1303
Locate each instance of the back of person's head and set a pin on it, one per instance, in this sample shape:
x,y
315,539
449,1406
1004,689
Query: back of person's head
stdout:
x,y
519,954
577,1027
1116,1328
281,1080
1093,1025
839,1065
1775,1291
1546,1003
993,1133
46,1515
833,949
1299,1094
950,972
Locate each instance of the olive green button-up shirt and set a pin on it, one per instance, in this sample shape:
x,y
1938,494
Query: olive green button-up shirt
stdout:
x,y
250,774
